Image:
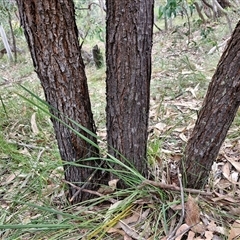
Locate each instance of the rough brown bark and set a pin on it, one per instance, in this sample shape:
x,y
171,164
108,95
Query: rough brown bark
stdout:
x,y
97,57
128,57
224,3
219,109
52,37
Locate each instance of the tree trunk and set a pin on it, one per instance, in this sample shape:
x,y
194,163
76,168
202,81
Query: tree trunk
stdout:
x,y
219,109
52,37
97,57
224,3
128,57
199,11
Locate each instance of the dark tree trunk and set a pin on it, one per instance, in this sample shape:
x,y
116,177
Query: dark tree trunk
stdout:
x,y
52,37
97,57
128,57
224,3
219,108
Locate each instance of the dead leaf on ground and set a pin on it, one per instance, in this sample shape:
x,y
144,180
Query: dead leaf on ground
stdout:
x,y
121,232
233,162
160,126
34,124
113,183
208,235
235,231
9,178
130,231
225,198
226,170
191,235
193,90
212,226
181,231
192,212
192,217
183,137
25,152
132,219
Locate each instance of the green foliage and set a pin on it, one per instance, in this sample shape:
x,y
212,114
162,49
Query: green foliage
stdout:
x,y
205,32
90,18
6,8
208,35
170,9
173,7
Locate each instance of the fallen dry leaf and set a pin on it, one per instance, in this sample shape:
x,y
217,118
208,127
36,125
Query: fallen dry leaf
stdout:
x,y
25,152
234,163
212,226
132,219
230,176
192,217
109,212
226,170
235,231
181,231
234,210
193,90
113,183
34,124
225,198
183,137
191,235
208,235
121,232
130,232
9,179
144,215
234,176
160,126
192,212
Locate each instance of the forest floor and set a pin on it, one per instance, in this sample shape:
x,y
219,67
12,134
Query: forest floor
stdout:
x,y
33,204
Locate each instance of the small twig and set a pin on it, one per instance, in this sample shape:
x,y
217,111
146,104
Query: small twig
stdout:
x,y
158,28
84,37
27,145
88,7
172,234
86,183
171,227
174,188
112,200
40,154
42,149
185,231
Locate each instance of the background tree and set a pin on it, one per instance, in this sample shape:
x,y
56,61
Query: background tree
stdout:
x,y
219,108
6,9
128,58
52,37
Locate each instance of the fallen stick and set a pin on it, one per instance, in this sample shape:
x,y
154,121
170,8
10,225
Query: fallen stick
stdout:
x,y
112,200
174,188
